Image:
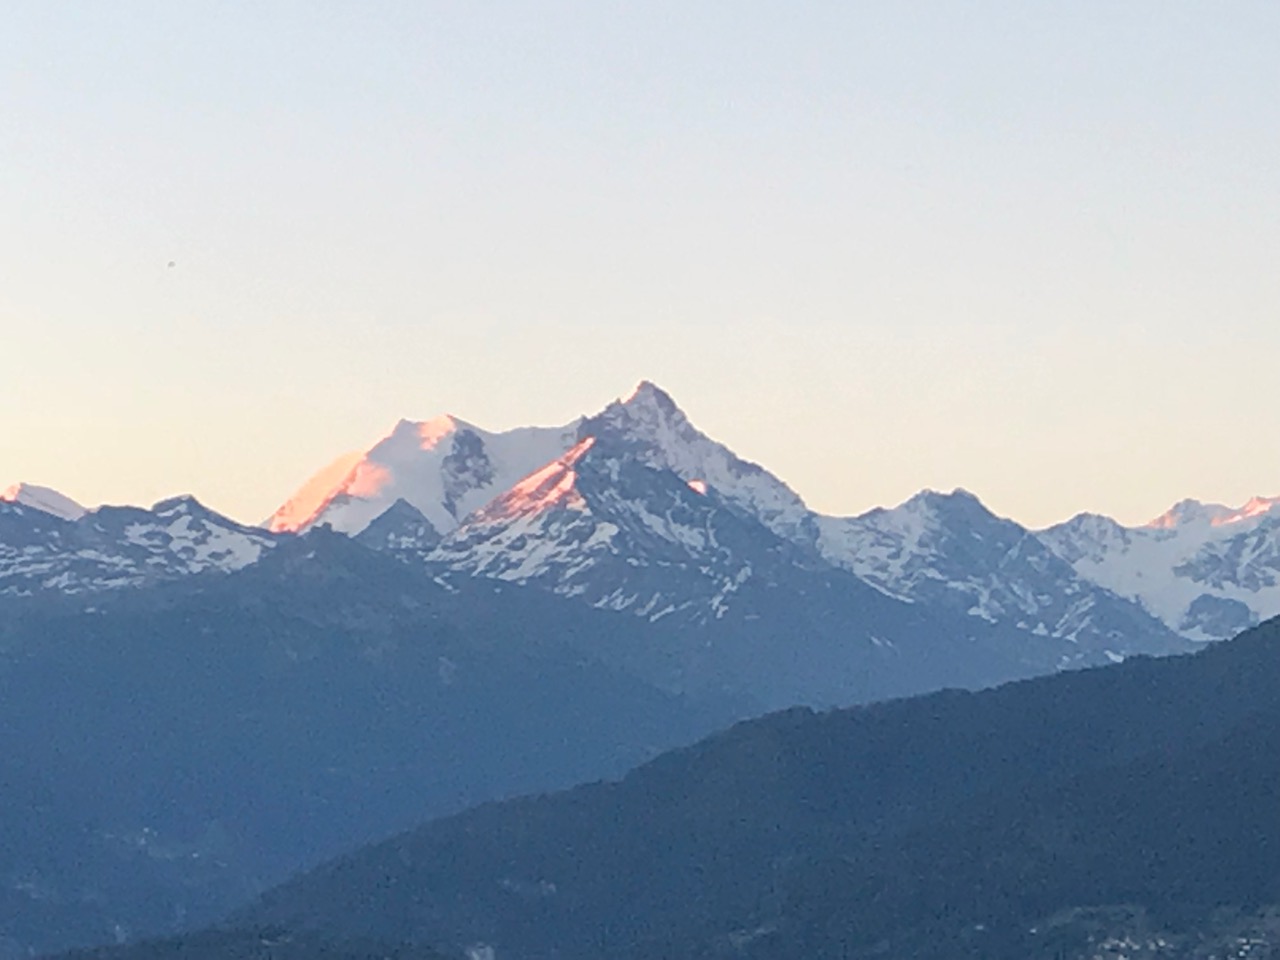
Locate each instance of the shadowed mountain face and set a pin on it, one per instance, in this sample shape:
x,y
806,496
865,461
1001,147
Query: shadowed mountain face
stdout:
x,y
943,826
751,612
116,548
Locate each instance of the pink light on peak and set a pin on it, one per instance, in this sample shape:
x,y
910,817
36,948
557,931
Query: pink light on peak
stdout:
x,y
307,503
646,391
1256,507
431,432
638,389
43,498
1191,513
554,484
367,480
698,486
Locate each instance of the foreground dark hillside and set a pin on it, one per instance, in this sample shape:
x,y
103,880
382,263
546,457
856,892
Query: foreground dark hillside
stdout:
x,y
901,829
266,944
168,754
1181,836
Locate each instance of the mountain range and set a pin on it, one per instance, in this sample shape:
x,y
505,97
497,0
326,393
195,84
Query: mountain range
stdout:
x,y
460,501
197,708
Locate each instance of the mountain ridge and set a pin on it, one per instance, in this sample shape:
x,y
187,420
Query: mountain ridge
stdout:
x,y
1208,570
1089,601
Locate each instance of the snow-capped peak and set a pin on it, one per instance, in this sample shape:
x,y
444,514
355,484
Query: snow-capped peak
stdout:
x,y
603,525
183,505
949,550
649,405
1207,570
889,546
301,510
1193,512
649,424
647,394
43,498
1188,512
445,468
431,432
882,543
1256,507
115,547
933,501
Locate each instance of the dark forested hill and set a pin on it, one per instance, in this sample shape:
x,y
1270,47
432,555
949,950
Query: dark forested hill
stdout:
x,y
266,944
943,826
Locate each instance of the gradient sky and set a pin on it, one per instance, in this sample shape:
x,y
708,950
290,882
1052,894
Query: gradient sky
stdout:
x,y
1029,249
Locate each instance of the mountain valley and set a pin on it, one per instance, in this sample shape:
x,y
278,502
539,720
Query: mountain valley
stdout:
x,y
198,709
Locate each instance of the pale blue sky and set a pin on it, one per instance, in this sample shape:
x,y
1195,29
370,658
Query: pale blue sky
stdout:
x,y
1026,248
